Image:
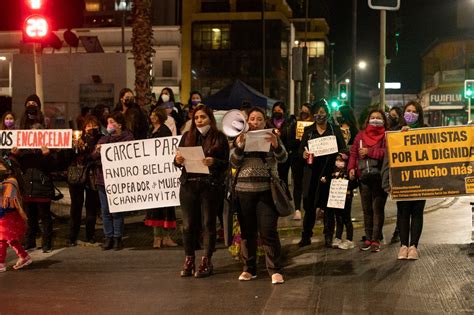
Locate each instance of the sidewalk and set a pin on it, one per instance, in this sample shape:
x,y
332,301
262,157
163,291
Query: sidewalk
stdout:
x,y
287,226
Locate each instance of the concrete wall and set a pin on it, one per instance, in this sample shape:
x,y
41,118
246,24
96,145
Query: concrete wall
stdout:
x,y
62,76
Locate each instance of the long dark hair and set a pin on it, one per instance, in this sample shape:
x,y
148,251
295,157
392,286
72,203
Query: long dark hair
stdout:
x,y
211,142
381,112
419,110
170,92
2,123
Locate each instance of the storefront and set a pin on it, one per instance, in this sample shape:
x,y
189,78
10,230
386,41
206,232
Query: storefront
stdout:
x,y
445,106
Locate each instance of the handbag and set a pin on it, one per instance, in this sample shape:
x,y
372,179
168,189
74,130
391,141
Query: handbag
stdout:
x,y
280,194
76,174
369,169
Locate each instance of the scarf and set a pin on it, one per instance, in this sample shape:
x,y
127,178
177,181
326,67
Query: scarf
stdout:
x,y
9,198
372,135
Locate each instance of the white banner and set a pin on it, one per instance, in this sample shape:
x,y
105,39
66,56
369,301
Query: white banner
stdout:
x,y
36,138
140,174
338,193
323,145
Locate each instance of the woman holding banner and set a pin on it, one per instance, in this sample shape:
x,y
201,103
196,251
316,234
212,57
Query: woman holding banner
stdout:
x,y
410,213
163,220
256,210
315,191
113,222
365,163
199,193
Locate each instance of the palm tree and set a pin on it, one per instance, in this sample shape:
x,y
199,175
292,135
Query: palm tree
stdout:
x,y
142,40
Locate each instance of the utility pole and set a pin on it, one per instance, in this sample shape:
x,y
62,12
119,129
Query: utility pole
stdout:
x,y
263,47
304,83
354,54
382,61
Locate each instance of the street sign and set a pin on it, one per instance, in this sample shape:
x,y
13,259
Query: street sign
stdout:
x,y
390,5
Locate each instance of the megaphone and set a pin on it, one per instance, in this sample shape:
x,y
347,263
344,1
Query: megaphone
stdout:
x,y
234,123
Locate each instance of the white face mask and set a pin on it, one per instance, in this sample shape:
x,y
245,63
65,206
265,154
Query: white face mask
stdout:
x,y
204,130
165,98
340,164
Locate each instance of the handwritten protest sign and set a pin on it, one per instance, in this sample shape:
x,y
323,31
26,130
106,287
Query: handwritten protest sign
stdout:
x,y
431,162
338,193
36,138
323,145
140,174
300,125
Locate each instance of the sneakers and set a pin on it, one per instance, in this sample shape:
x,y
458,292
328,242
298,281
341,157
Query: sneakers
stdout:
x,y
336,242
168,242
346,245
297,215
365,245
22,262
246,276
375,247
157,242
277,278
3,267
403,253
412,253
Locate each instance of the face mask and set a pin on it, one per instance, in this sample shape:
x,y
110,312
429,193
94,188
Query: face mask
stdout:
x,y
9,123
320,118
93,132
376,122
340,120
304,115
410,117
32,112
340,164
393,120
110,129
277,115
195,102
204,130
165,98
128,102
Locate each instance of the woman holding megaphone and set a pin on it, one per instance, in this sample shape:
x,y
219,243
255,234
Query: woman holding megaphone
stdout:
x,y
257,212
199,193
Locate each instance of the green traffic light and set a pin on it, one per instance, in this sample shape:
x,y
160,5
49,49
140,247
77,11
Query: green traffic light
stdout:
x,y
334,104
468,93
343,95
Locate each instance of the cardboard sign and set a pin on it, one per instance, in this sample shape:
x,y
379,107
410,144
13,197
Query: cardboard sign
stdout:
x,y
323,145
432,162
300,125
338,193
36,138
140,174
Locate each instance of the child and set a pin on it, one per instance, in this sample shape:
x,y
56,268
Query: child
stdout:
x,y
12,217
343,216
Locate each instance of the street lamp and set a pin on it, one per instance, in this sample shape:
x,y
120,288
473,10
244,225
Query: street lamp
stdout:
x,y
123,6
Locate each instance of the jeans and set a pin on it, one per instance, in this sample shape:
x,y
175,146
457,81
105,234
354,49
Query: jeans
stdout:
x,y
199,203
410,221
36,211
92,207
373,199
113,222
258,215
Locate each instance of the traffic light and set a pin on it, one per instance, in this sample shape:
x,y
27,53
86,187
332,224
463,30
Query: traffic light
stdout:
x,y
334,104
469,89
36,25
343,91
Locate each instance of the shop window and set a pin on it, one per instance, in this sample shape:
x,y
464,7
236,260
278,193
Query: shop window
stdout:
x,y
315,49
93,6
211,36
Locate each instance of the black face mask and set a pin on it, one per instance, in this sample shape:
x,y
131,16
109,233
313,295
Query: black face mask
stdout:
x,y
32,112
277,115
128,102
304,115
320,118
94,132
393,120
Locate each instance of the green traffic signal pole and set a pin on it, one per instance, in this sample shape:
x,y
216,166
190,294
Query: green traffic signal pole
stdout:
x,y
382,61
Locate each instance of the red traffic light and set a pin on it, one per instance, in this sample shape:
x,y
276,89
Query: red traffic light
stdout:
x,y
35,28
34,4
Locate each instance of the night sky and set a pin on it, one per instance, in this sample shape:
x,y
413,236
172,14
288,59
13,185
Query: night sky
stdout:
x,y
422,21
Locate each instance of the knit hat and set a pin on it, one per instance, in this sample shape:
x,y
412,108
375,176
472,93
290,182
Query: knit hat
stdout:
x,y
33,98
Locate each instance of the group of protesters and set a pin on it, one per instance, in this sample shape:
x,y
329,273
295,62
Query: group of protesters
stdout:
x,y
232,171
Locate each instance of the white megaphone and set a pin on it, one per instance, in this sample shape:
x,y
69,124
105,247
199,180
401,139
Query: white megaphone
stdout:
x,y
234,123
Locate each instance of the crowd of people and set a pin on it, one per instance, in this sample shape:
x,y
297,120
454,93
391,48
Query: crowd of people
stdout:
x,y
28,189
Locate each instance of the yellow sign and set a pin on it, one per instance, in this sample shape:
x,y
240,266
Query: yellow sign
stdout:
x,y
300,125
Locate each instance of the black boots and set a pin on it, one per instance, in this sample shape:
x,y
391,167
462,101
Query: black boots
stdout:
x,y
189,266
205,268
118,244
108,243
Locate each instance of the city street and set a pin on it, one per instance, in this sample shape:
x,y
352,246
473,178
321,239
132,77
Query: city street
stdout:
x,y
139,280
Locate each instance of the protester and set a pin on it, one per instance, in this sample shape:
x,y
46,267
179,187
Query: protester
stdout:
x,y
163,220
82,158
8,121
365,163
86,110
135,117
343,216
173,109
12,216
199,192
410,213
101,112
297,162
195,98
348,124
36,165
315,192
256,210
113,222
